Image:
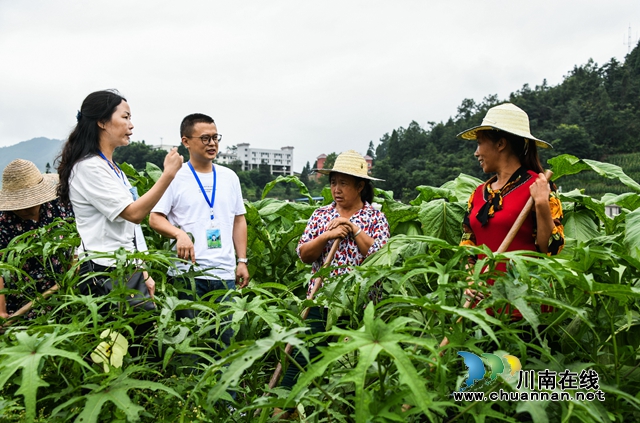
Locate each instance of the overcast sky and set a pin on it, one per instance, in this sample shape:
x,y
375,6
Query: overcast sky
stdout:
x,y
321,76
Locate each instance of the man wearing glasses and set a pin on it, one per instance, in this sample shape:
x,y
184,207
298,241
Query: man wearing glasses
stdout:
x,y
203,211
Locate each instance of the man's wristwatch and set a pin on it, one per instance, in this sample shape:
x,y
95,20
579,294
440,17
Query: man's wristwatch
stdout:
x,y
243,260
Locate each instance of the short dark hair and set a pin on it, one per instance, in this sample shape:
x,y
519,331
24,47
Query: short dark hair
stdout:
x,y
525,150
84,139
186,127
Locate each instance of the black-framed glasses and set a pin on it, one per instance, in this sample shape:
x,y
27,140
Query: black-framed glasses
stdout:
x,y
207,138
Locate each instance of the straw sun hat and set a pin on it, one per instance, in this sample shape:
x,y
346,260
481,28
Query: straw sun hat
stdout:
x,y
350,163
23,186
506,117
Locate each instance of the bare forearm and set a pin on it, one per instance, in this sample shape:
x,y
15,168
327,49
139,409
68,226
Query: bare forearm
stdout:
x,y
363,240
310,251
139,209
3,304
160,224
240,236
545,226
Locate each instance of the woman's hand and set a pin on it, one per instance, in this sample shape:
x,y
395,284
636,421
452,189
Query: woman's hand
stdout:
x,y
340,231
172,162
473,295
540,190
151,284
342,221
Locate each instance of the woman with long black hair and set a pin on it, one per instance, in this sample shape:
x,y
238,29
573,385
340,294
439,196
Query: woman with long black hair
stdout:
x,y
107,208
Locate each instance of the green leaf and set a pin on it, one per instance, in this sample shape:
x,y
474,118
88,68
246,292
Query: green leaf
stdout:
x,y
441,219
244,358
632,233
117,393
580,225
567,164
373,338
397,213
153,171
463,186
288,180
26,355
628,200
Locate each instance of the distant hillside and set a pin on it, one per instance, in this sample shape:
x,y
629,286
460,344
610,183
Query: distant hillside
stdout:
x,y
594,113
38,150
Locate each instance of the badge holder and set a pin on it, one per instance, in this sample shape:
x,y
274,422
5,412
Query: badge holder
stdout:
x,y
213,234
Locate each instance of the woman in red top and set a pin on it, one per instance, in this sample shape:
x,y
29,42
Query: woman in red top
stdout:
x,y
507,149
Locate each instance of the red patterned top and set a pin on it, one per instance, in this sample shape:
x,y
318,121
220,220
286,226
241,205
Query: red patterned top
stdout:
x,y
370,220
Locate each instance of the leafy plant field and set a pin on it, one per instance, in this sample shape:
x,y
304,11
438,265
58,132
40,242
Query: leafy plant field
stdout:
x,y
383,362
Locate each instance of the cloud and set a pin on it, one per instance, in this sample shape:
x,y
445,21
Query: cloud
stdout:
x,y
321,76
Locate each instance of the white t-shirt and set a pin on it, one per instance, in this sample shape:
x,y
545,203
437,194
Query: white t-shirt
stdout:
x,y
98,196
186,207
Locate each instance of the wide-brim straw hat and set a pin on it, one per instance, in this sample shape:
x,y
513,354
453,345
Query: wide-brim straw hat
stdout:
x,y
505,117
350,163
23,186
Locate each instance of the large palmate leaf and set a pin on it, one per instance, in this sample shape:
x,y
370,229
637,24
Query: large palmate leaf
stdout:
x,y
29,350
567,164
244,358
117,392
373,338
442,219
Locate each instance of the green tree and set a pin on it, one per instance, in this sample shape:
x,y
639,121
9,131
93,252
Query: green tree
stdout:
x,y
138,154
304,175
328,164
184,152
371,151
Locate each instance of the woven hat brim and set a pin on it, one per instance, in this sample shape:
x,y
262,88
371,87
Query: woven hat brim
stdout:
x,y
471,134
357,175
44,192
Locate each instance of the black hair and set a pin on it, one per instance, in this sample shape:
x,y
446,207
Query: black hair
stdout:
x,y
524,149
84,139
186,127
366,195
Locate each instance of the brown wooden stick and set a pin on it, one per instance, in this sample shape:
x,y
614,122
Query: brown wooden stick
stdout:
x,y
25,308
317,282
504,246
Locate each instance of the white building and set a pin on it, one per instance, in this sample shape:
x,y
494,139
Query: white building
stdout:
x,y
280,161
167,146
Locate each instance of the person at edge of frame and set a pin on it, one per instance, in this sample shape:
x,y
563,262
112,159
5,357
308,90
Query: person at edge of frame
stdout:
x,y
28,201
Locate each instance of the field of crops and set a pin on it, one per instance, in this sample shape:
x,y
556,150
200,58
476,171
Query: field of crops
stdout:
x,y
383,362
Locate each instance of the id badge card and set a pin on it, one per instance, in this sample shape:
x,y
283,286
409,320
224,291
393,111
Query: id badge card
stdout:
x,y
213,236
134,193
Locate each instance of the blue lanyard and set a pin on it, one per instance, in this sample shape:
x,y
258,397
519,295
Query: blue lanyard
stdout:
x,y
213,192
114,170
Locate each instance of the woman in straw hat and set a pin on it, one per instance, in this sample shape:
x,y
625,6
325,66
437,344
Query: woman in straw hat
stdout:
x,y
350,220
27,202
107,208
506,148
